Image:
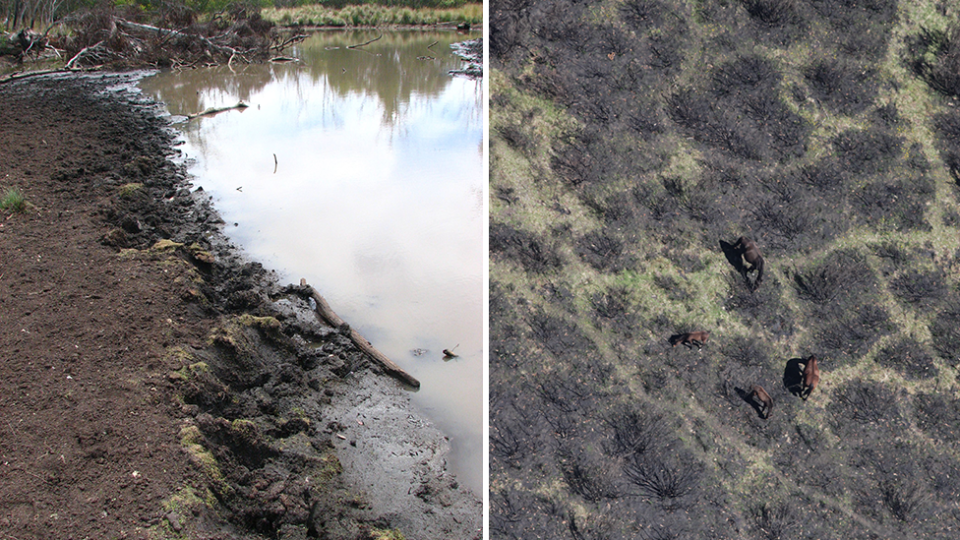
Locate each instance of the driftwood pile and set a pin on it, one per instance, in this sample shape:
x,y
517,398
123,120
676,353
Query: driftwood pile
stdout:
x,y
104,38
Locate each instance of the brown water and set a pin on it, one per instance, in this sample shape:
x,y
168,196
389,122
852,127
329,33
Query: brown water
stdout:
x,y
361,170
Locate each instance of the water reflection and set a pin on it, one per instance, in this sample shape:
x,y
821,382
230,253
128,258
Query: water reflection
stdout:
x,y
361,170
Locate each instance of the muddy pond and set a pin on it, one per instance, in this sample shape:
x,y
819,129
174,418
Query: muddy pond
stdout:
x,y
361,170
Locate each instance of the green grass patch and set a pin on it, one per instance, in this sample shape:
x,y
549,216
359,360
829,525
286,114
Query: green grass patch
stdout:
x,y
13,201
127,190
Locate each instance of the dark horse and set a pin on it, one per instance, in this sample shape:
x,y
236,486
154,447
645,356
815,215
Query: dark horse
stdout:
x,y
761,401
811,377
758,398
751,253
690,338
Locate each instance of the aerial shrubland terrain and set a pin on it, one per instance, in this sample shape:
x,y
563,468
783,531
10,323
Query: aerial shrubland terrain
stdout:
x,y
632,143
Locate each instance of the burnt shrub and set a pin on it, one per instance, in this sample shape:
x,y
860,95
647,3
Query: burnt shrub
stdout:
x,y
762,305
904,498
604,250
509,23
854,330
867,151
702,205
662,206
945,331
922,289
563,393
816,466
861,28
746,351
669,476
517,514
908,357
793,223
898,484
916,160
843,275
841,85
587,473
948,128
896,203
661,50
825,176
560,295
700,118
646,121
513,425
562,338
938,415
635,428
664,49
519,138
524,248
778,21
868,402
742,114
617,210
892,253
611,310
642,15
750,85
575,163
600,526
774,521
743,76
934,56
674,290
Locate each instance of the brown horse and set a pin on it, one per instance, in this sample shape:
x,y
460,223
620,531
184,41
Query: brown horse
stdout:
x,y
762,400
811,376
751,253
690,338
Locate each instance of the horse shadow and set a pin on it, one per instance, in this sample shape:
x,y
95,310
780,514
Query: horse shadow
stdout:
x,y
793,376
756,404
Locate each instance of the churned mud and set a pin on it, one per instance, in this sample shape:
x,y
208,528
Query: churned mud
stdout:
x,y
153,382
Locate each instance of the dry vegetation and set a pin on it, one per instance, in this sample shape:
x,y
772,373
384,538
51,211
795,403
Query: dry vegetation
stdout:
x,y
630,138
128,36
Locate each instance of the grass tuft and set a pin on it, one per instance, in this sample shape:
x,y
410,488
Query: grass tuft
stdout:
x,y
13,201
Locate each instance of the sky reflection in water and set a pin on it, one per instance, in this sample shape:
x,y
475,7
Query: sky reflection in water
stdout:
x,y
376,200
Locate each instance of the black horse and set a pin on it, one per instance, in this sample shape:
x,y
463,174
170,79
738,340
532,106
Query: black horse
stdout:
x,y
759,399
745,249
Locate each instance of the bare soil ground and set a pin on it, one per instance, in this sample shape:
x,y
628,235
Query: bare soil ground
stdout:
x,y
153,383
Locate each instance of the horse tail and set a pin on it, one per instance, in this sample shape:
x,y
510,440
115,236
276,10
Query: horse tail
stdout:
x,y
759,266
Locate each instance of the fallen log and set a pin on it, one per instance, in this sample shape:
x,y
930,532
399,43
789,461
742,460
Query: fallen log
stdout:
x,y
216,110
331,318
365,43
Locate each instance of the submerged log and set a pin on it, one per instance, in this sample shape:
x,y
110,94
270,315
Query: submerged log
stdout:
x,y
331,318
216,110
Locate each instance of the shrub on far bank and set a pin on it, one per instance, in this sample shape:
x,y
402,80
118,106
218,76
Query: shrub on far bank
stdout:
x,y
373,13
